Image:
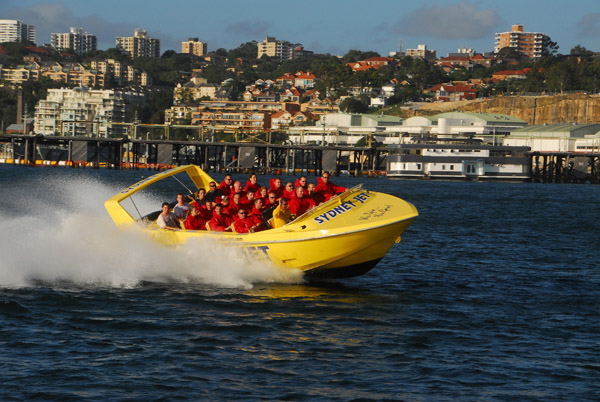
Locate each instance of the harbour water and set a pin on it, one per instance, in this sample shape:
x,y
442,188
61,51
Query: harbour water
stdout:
x,y
493,294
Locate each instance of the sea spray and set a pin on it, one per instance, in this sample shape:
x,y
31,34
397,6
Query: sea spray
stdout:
x,y
67,236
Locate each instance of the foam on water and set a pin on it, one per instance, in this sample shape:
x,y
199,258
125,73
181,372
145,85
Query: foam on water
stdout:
x,y
63,233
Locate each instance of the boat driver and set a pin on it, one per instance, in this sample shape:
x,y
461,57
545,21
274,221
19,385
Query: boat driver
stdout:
x,y
182,208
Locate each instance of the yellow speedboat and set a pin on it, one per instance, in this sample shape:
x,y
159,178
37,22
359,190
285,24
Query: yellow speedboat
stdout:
x,y
343,237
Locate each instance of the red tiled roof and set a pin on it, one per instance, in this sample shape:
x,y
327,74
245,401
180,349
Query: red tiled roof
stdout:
x,y
36,49
456,58
386,59
286,76
454,88
279,114
302,75
513,72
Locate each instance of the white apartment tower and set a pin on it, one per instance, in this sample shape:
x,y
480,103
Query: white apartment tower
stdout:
x,y
76,39
84,112
272,47
16,31
139,45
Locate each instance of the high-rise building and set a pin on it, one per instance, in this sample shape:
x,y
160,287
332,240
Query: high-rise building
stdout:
x,y
272,47
76,40
139,45
530,44
194,46
16,31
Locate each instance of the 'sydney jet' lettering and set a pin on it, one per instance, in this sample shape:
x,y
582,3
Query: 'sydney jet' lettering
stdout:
x,y
342,208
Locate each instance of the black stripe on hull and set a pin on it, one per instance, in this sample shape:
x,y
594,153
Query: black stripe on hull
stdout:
x,y
349,271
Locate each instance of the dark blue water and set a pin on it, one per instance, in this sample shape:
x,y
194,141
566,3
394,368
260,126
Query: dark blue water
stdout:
x,y
493,294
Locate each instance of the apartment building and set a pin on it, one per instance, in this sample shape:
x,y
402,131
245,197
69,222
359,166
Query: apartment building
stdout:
x,y
194,46
20,74
85,112
62,72
108,66
233,116
139,45
121,72
272,47
16,31
530,44
75,40
422,52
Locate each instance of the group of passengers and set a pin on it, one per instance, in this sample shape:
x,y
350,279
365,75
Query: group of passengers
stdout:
x,y
248,209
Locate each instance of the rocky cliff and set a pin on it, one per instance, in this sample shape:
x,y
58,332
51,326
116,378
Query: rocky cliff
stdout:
x,y
577,108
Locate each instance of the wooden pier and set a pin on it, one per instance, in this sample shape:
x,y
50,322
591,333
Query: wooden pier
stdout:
x,y
119,153
565,167
211,156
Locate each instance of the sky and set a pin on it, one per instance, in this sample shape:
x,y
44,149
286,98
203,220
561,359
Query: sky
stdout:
x,y
322,26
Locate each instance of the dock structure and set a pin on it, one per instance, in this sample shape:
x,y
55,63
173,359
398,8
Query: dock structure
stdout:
x,y
565,167
123,153
117,153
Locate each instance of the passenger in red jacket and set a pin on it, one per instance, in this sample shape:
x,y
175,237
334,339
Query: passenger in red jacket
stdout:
x,y
234,206
256,215
207,211
226,185
199,202
252,184
262,193
242,223
194,220
314,197
289,191
299,204
277,187
237,189
326,188
248,201
219,221
271,200
302,181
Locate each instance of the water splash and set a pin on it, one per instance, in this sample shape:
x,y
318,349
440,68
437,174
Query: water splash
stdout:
x,y
67,235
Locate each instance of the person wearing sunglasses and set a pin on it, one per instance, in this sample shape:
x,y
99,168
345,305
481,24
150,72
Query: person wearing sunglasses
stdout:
x,y
213,194
242,223
227,184
271,200
326,188
302,181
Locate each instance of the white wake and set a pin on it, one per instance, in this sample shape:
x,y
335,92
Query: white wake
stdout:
x,y
63,233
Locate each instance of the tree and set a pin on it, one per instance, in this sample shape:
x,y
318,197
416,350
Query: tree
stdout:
x,y
357,55
560,76
582,52
353,105
510,53
248,50
550,47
